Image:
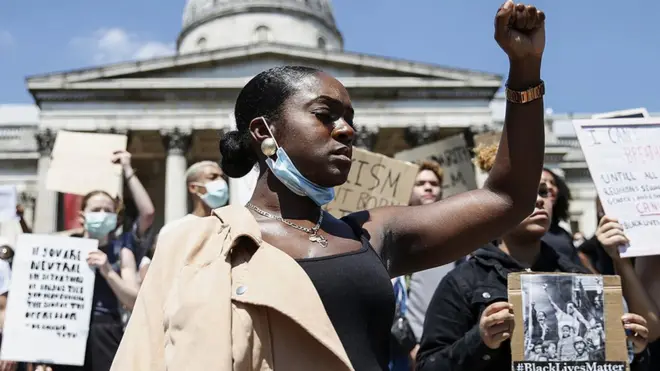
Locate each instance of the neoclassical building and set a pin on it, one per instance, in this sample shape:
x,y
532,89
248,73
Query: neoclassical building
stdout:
x,y
175,109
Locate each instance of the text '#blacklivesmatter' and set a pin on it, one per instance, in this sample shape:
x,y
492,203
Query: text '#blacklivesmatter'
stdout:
x,y
569,366
55,290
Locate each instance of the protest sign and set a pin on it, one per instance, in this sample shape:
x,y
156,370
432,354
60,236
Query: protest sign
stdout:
x,y
82,162
454,156
623,156
374,180
567,322
8,203
50,300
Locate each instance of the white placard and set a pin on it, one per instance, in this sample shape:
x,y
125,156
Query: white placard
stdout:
x,y
50,300
454,157
8,203
623,156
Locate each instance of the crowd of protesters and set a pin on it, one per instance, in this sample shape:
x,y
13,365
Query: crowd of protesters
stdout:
x,y
281,284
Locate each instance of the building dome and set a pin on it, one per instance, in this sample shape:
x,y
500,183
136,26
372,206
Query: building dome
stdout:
x,y
216,24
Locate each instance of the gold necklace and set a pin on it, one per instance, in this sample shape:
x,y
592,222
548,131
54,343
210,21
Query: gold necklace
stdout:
x,y
313,232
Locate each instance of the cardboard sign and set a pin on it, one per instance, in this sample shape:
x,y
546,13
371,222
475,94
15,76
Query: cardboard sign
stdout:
x,y
454,156
374,180
567,322
623,156
82,162
50,300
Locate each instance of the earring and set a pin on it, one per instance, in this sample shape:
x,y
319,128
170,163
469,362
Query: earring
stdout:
x,y
268,147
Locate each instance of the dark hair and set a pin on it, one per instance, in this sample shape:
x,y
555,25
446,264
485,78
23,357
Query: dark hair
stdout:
x,y
264,95
562,203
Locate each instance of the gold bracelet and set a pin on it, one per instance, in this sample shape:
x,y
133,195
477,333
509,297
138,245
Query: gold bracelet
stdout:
x,y
529,95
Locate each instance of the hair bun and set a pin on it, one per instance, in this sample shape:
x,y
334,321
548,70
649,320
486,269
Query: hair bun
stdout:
x,y
237,156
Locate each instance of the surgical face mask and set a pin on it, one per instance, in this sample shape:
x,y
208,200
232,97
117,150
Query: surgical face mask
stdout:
x,y
284,169
217,193
99,224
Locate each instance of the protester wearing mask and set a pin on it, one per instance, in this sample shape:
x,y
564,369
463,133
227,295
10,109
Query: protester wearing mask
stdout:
x,y
208,190
469,321
116,280
280,284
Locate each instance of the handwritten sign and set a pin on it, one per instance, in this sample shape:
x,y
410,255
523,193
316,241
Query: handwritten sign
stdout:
x,y
374,180
453,155
50,300
623,156
8,201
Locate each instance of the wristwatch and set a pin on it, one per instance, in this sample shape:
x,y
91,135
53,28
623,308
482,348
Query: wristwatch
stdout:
x,y
522,97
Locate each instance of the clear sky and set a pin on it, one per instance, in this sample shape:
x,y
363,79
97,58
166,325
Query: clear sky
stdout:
x,y
601,55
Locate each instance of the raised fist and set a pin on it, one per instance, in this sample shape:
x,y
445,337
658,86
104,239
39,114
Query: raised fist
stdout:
x,y
520,31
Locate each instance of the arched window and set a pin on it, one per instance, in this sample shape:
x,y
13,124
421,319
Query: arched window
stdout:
x,y
201,42
262,34
321,43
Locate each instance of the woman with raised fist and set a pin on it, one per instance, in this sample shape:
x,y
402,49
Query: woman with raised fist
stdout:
x,y
281,284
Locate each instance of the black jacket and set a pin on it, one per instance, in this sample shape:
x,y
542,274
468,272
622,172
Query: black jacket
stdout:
x,y
562,242
451,339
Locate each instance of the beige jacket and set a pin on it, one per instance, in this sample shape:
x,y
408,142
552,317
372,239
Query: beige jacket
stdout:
x,y
219,298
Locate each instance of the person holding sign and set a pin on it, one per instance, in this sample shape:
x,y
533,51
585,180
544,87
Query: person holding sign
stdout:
x,y
469,321
116,280
281,284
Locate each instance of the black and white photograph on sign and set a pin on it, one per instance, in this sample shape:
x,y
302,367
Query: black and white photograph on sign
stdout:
x,y
563,318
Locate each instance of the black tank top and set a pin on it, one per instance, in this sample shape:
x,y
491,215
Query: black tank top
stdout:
x,y
357,294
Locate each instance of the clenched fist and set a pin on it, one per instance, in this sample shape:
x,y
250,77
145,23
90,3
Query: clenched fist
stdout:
x,y
496,324
520,31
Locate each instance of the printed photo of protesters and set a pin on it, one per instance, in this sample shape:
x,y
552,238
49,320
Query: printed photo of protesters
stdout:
x,y
563,318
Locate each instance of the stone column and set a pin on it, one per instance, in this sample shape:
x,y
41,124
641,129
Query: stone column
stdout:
x,y
177,143
45,218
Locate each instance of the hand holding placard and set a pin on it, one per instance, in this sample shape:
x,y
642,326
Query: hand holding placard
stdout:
x,y
623,156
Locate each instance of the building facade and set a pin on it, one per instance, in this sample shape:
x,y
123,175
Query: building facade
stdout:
x,y
175,109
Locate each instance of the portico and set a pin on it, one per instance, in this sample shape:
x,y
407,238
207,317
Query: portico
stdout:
x,y
175,109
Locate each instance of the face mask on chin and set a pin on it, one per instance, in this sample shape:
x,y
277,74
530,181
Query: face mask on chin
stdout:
x,y
287,173
99,224
217,193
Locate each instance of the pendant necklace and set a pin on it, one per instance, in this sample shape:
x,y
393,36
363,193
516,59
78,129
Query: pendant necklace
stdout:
x,y
313,232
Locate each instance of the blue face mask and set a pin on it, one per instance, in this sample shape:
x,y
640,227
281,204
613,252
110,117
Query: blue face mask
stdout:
x,y
284,169
217,193
99,224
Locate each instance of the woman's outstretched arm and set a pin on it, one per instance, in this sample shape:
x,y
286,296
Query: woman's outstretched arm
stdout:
x,y
421,237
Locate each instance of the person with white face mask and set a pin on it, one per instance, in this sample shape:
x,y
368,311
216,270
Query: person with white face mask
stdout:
x,y
116,283
208,190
